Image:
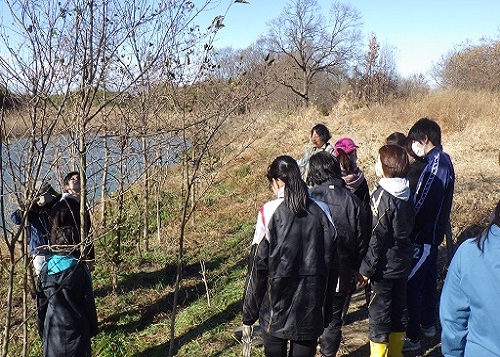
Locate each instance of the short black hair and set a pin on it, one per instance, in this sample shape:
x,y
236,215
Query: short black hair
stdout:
x,y
426,127
323,166
396,138
69,176
322,131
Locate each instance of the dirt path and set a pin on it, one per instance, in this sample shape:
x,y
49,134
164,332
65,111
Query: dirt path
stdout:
x,y
355,341
355,334
355,331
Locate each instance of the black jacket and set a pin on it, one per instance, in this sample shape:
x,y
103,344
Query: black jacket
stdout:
x,y
350,220
414,173
390,250
65,231
66,312
289,271
363,193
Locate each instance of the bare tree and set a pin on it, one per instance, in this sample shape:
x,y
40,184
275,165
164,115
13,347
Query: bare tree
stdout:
x,y
412,86
376,79
59,58
311,43
79,66
471,66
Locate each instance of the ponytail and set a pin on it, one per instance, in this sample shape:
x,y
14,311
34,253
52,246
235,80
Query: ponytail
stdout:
x,y
286,169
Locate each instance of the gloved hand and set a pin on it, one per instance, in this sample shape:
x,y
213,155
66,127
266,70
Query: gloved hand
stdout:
x,y
47,197
246,339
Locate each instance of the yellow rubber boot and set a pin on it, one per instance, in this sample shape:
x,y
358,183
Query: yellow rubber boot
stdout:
x,y
378,349
396,341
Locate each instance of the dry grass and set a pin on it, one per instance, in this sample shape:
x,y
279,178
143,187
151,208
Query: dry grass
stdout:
x,y
470,134
137,318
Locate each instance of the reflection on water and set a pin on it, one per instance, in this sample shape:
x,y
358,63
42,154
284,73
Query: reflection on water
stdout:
x,y
125,163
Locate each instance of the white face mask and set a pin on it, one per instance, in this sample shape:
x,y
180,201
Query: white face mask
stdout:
x,y
378,169
417,149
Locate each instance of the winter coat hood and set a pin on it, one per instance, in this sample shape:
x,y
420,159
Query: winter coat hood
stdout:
x,y
396,186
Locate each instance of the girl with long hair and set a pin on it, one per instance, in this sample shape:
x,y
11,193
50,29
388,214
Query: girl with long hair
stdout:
x,y
290,266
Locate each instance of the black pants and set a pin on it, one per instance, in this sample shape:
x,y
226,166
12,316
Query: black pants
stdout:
x,y
332,335
277,347
387,310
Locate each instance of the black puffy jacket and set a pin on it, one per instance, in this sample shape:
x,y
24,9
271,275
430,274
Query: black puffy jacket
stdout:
x,y
289,271
66,312
390,250
350,220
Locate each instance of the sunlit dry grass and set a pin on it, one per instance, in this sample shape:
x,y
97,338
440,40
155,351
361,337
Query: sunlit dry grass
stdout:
x,y
135,319
470,134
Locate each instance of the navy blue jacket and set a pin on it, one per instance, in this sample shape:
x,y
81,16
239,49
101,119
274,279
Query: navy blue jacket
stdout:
x,y
37,228
66,311
433,198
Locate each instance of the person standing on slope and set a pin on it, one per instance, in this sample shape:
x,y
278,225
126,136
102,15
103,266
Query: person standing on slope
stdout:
x,y
320,135
352,239
433,199
290,266
388,259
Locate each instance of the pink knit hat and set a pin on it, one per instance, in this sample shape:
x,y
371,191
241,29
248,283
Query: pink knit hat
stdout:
x,y
346,144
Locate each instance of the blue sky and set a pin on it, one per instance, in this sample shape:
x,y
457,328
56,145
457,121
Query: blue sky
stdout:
x,y
420,30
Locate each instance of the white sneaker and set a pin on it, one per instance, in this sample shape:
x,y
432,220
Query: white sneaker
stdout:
x,y
410,345
429,331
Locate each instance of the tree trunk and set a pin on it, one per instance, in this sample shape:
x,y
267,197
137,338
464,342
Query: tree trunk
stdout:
x,y
145,222
26,264
305,89
104,193
8,310
177,282
83,184
158,216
